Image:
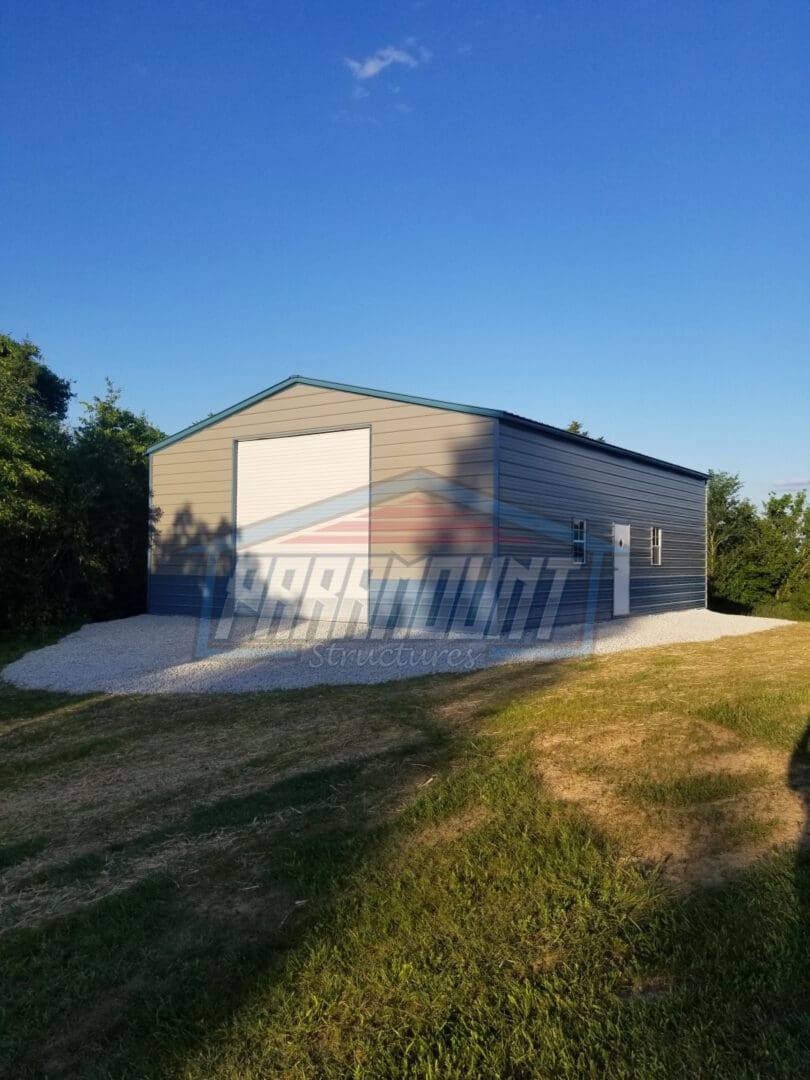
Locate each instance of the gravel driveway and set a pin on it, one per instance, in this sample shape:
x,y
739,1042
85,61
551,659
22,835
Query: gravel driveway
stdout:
x,y
160,654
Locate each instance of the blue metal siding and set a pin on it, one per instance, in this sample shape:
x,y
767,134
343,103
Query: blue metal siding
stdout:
x,y
561,480
550,476
187,594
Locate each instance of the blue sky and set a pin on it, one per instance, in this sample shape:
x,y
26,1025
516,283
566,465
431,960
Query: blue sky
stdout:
x,y
594,210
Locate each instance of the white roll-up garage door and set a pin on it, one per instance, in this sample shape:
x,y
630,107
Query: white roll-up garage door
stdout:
x,y
302,520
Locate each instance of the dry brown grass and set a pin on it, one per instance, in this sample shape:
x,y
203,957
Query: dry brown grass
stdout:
x,y
128,799
698,843
639,720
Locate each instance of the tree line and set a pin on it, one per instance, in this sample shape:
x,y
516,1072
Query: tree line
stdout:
x,y
74,498
758,559
75,528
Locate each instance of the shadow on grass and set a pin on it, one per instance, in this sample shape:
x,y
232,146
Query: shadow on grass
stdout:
x,y
539,953
737,958
799,779
126,985
165,935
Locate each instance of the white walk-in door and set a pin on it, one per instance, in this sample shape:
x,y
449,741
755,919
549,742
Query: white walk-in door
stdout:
x,y
302,522
621,569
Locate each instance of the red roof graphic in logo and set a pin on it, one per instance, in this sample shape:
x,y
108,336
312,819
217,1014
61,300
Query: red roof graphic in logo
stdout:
x,y
415,520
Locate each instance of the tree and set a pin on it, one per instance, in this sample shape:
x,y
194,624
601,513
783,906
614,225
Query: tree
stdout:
x,y
110,504
728,517
576,428
756,557
74,520
786,542
33,452
23,362
732,540
33,402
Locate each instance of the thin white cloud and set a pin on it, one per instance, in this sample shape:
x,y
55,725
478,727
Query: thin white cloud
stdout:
x,y
793,485
371,67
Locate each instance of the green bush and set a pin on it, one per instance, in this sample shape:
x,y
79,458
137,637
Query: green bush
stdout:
x,y
757,559
74,518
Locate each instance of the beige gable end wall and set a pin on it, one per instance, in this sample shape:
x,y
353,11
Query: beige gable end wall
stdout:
x,y
191,480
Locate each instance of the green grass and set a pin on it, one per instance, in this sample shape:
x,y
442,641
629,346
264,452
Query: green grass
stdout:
x,y
766,609
17,705
14,644
691,789
769,715
374,882
776,609
11,854
748,830
22,769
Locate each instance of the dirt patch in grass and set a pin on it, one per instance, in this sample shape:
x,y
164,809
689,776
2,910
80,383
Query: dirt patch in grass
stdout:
x,y
683,797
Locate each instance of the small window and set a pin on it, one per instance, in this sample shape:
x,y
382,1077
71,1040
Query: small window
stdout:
x,y
578,540
656,541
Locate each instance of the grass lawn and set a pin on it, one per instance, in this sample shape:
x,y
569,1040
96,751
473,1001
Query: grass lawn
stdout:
x,y
585,869
782,611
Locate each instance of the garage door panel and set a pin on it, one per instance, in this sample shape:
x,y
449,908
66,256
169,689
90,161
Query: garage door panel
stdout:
x,y
302,501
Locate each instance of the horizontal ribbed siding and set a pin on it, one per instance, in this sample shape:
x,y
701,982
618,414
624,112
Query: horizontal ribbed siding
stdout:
x,y
192,479
187,594
560,480
551,479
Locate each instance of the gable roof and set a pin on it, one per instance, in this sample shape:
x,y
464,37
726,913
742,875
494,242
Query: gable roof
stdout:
x,y
411,399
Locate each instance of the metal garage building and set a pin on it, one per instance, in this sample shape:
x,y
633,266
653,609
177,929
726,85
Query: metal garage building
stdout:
x,y
320,502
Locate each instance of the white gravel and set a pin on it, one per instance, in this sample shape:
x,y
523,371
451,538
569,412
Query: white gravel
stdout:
x,y
161,654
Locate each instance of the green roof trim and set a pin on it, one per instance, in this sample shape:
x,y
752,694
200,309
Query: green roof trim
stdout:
x,y
433,403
